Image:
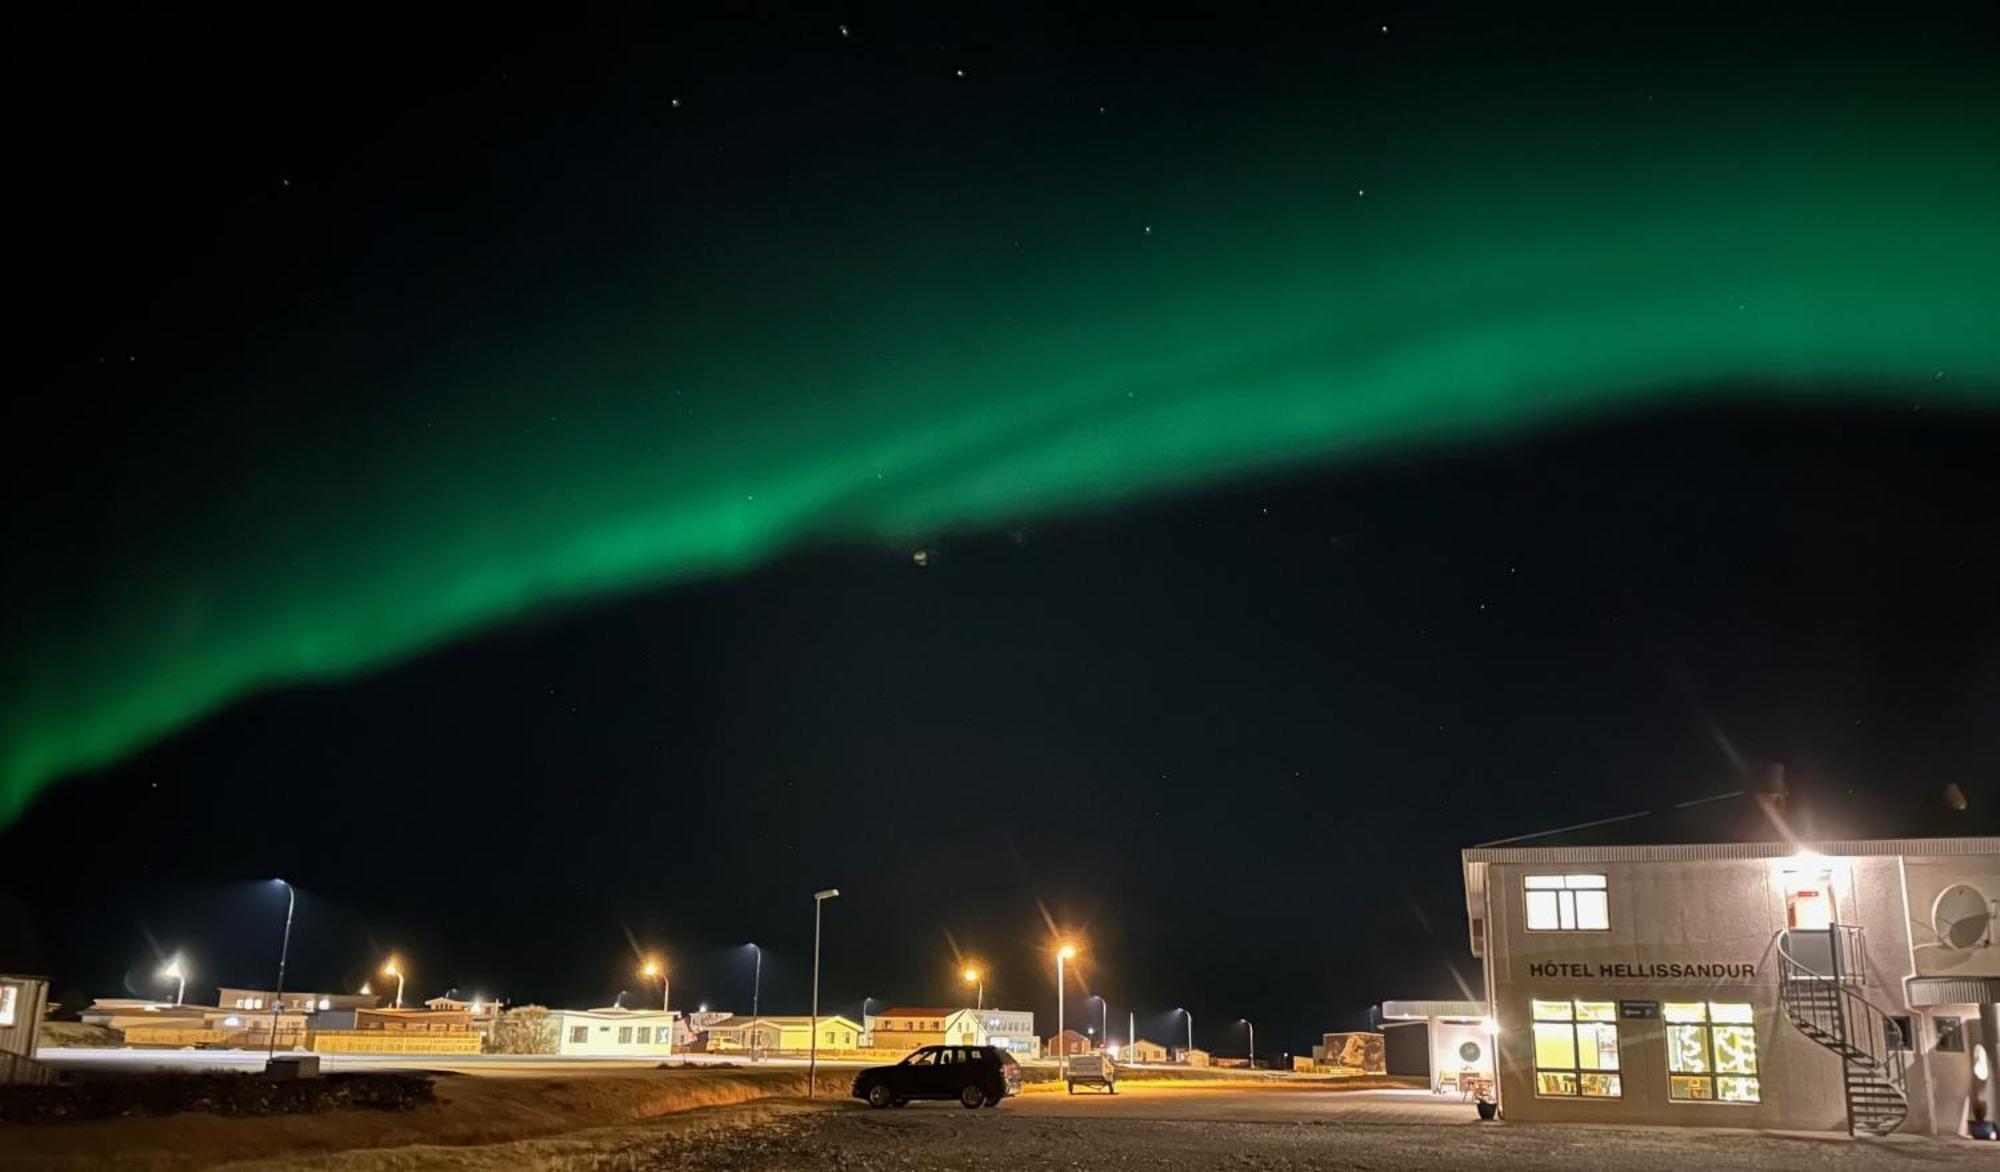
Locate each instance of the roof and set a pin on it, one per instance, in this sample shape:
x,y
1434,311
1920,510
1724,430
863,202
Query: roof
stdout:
x,y
907,1011
1418,1010
734,1022
611,1013
1694,852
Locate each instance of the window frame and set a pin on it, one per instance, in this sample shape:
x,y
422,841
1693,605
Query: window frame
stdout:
x,y
1713,1074
1565,889
1576,1071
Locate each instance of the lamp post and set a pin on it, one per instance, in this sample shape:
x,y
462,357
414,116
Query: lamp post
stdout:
x,y
1190,1019
1131,1029
1103,1019
974,977
284,954
1253,1040
391,968
1063,954
812,1062
658,968
176,973
756,983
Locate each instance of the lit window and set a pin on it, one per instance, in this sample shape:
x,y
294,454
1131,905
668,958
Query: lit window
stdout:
x,y
579,1034
1711,1052
624,1035
1576,1049
646,1035
10,996
1568,903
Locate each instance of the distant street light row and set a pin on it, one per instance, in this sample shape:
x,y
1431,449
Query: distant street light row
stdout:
x,y
656,968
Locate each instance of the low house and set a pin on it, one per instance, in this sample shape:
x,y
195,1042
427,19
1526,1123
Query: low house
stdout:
x,y
395,1031
906,1028
1192,1057
1141,1051
613,1032
790,1034
23,1004
230,997
1068,1044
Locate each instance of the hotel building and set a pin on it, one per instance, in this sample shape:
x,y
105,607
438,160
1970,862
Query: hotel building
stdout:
x,y
1840,985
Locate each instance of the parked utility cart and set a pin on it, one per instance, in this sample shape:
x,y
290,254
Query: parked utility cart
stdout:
x,y
1092,1070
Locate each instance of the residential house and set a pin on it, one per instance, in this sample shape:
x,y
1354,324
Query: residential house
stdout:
x,y
229,997
613,1032
791,1034
906,1028
1068,1044
1142,1051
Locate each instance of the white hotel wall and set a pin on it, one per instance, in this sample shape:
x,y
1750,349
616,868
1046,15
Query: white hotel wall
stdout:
x,y
1719,911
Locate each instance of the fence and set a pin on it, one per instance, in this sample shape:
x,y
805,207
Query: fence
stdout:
x,y
392,1042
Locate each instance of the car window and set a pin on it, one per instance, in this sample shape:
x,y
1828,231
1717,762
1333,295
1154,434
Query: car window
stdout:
x,y
921,1058
949,1057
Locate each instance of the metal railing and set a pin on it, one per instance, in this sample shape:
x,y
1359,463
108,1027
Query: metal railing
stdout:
x,y
1826,1008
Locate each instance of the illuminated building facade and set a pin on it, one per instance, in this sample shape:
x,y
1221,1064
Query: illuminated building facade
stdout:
x,y
1821,986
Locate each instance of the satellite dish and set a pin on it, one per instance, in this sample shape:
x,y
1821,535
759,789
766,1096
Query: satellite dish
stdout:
x,y
1962,916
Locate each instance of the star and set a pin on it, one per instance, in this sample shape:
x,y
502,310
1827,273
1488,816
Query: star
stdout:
x,y
922,557
674,102
843,30
958,73
1149,229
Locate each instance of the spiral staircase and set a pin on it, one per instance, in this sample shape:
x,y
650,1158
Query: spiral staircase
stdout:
x,y
1821,996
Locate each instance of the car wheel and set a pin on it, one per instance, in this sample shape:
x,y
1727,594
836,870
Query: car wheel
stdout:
x,y
994,1100
879,1097
972,1096
900,1103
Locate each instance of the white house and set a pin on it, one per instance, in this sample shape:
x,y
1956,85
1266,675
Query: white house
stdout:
x,y
613,1033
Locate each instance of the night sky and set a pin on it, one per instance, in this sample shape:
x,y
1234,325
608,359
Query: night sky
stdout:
x,y
558,487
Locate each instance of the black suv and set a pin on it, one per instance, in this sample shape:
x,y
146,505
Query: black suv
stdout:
x,y
977,1076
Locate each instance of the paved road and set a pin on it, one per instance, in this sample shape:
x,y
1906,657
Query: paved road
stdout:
x,y
1254,1105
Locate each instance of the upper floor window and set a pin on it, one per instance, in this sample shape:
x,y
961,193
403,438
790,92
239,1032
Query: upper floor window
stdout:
x,y
1568,903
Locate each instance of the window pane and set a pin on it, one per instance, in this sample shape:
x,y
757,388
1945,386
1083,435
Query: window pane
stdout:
x,y
1593,910
1686,1087
1554,1082
1544,882
1730,1011
1566,910
1736,1090
1597,1047
1542,911
1685,1011
1602,1086
1575,882
1597,1011
1735,1050
1555,1046
1687,1049
1551,1010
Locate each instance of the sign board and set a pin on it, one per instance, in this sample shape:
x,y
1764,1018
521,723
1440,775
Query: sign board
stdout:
x,y
1638,1010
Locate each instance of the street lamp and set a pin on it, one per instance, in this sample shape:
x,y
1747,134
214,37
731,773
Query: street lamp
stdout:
x,y
1253,1040
1103,1018
284,953
658,968
812,1063
176,972
756,983
1064,953
392,969
974,977
1190,1018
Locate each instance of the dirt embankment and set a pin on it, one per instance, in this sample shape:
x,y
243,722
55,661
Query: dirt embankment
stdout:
x,y
469,1111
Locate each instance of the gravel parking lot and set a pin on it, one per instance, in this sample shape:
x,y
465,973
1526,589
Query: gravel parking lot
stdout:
x,y
1055,1136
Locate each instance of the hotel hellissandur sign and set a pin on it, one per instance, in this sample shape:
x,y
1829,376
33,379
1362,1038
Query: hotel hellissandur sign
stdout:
x,y
1671,970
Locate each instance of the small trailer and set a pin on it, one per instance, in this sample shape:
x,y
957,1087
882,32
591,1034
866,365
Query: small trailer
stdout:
x,y
1092,1070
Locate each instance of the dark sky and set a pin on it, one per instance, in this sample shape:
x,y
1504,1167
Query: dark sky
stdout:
x,y
1232,731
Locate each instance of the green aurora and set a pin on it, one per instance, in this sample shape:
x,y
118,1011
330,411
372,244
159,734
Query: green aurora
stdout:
x,y
1054,347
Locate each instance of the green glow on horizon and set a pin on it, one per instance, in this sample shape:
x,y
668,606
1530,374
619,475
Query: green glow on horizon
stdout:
x,y
930,385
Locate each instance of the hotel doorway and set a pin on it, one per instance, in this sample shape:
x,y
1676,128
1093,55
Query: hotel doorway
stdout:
x,y
1810,918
